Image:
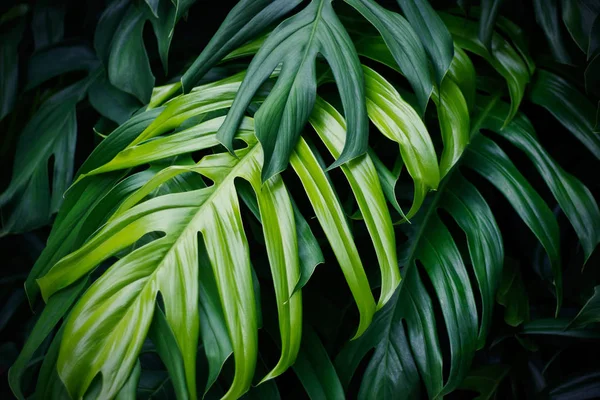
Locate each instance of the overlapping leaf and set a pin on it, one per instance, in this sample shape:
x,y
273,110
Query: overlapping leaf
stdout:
x,y
295,44
503,57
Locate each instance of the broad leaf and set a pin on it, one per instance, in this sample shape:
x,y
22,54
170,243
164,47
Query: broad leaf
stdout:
x,y
401,357
50,134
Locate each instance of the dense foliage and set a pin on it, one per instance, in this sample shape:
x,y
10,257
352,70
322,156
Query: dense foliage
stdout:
x,y
239,223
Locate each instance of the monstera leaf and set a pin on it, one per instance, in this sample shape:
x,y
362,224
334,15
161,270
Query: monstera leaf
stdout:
x,y
183,258
203,210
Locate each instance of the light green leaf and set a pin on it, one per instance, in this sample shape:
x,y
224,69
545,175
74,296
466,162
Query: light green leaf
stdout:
x,y
331,217
399,122
453,114
462,73
364,181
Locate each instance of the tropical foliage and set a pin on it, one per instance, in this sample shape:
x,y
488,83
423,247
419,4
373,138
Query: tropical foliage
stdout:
x,y
240,226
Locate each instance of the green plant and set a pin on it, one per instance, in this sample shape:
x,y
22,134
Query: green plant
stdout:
x,y
152,251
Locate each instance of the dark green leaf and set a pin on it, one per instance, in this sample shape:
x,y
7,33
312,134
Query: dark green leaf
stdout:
x,y
579,16
11,305
129,390
473,215
9,67
485,381
512,294
87,205
594,41
213,328
166,346
558,327
112,103
282,116
153,4
59,59
433,33
573,196
244,22
573,110
418,349
503,57
579,387
55,309
51,133
107,25
592,75
488,159
589,313
128,64
315,370
547,17
163,21
49,385
48,23
487,21
402,42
